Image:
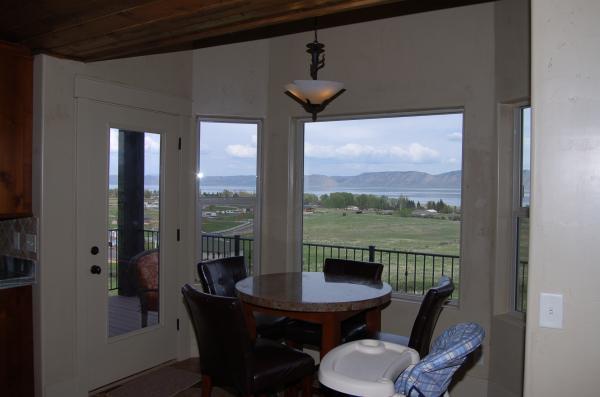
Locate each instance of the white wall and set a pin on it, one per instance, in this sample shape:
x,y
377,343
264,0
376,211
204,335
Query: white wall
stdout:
x,y
231,80
564,247
55,137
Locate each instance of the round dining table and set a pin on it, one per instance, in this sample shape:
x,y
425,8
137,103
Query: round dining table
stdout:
x,y
314,297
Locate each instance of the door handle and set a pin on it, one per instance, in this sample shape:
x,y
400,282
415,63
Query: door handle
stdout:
x,y
95,269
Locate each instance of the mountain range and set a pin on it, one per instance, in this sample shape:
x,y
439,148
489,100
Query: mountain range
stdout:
x,y
382,180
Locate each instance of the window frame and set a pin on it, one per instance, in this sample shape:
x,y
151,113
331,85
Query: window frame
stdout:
x,y
257,200
518,211
296,185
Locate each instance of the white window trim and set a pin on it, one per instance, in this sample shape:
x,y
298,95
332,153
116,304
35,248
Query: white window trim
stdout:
x,y
296,180
199,200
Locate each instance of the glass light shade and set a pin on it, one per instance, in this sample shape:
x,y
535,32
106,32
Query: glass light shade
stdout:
x,y
316,91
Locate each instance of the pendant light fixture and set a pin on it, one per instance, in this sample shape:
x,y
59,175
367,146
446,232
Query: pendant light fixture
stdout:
x,y
314,95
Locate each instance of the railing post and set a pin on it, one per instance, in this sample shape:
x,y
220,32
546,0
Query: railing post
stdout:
x,y
371,253
236,245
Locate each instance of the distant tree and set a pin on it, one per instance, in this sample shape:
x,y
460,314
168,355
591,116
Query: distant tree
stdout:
x,y
310,198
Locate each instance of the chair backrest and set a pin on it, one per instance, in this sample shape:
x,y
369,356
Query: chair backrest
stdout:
x,y
223,340
431,376
146,276
431,307
346,267
218,276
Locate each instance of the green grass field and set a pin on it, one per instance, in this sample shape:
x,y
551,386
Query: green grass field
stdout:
x,y
330,226
409,271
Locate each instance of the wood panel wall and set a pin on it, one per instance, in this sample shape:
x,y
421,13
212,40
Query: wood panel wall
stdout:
x,y
16,114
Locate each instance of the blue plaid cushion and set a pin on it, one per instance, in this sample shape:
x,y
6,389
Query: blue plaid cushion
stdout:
x,y
432,375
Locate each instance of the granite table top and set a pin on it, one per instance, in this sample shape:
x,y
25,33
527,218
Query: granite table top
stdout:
x,y
312,292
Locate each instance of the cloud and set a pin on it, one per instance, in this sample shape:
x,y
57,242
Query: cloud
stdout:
x,y
415,152
418,153
242,151
152,143
254,139
455,136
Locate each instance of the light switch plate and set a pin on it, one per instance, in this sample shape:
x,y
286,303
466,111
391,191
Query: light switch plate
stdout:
x,y
551,310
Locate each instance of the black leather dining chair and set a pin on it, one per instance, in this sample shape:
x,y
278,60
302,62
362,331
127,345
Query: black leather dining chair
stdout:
x,y
218,277
228,356
424,324
300,333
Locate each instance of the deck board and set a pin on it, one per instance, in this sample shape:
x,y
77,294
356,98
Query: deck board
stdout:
x,y
124,315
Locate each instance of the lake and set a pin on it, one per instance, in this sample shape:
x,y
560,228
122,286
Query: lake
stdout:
x,y
423,195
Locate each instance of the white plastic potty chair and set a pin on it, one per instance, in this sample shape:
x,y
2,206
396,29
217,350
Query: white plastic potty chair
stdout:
x,y
366,368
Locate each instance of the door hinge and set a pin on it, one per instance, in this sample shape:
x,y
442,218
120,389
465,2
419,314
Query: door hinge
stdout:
x,y
177,324
178,234
179,144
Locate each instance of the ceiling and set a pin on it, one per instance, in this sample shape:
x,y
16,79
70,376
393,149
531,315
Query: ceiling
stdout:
x,y
93,30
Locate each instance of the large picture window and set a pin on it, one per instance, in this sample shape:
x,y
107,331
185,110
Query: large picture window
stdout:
x,y
228,189
388,190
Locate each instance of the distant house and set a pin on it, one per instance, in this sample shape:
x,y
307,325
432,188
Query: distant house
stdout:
x,y
432,211
423,213
352,208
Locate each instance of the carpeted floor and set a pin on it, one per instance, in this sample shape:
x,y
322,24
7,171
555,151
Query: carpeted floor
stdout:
x,y
190,366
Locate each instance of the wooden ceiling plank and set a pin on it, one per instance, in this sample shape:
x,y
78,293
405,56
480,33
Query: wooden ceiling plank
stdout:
x,y
138,17
170,27
306,25
167,27
56,15
294,11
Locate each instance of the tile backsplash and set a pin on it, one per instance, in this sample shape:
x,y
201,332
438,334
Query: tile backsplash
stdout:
x,y
19,238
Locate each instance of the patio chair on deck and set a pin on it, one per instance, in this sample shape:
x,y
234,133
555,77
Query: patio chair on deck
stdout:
x,y
145,270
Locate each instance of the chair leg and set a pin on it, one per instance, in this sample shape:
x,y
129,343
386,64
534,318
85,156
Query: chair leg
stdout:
x,y
307,383
144,319
206,386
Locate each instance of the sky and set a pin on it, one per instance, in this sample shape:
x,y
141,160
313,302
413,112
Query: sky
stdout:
x,y
151,153
526,138
429,143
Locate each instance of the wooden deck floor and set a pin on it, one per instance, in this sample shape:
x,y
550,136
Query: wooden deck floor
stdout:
x,y
124,315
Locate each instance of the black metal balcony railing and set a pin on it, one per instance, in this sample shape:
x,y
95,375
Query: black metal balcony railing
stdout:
x,y
216,246
406,271
521,289
151,241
